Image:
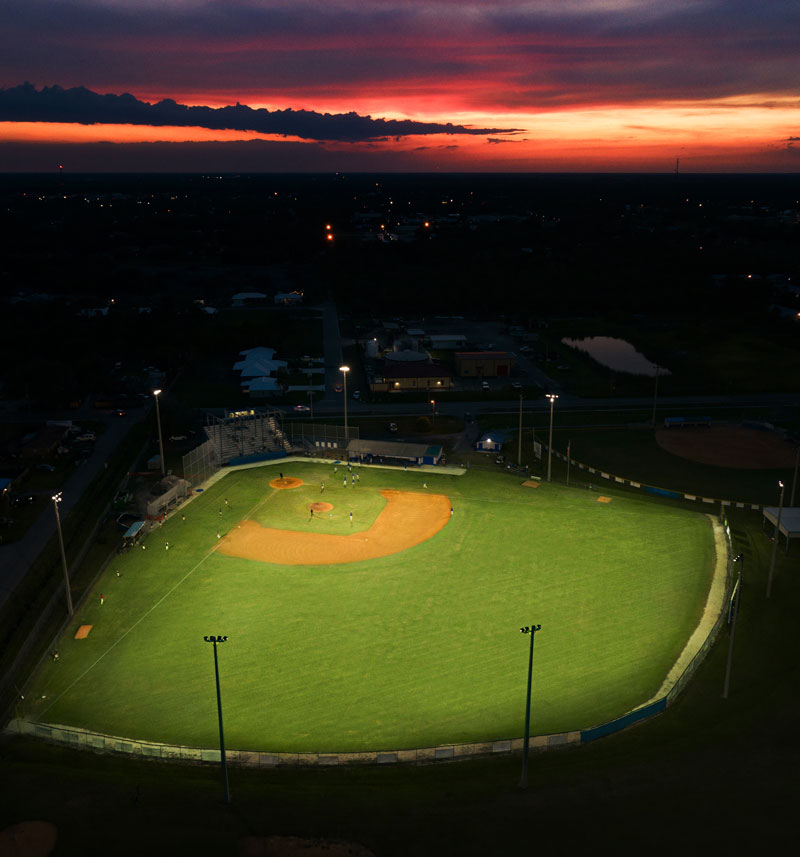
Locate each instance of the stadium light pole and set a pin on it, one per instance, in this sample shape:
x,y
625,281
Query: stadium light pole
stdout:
x,y
794,478
519,437
552,397
310,396
156,394
226,790
734,613
655,397
56,501
775,538
433,411
523,780
344,370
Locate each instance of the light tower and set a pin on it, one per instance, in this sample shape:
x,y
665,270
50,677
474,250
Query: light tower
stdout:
x,y
552,397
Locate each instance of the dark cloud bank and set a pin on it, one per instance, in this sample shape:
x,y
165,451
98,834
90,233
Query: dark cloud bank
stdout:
x,y
54,104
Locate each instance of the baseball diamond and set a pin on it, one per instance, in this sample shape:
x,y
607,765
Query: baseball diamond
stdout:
x,y
396,628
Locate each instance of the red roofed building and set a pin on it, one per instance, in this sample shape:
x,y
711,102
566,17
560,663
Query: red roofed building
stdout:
x,y
484,364
403,376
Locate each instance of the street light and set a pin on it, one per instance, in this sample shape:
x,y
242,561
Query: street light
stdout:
x,y
523,780
655,397
344,370
156,394
226,790
56,501
552,397
737,593
775,538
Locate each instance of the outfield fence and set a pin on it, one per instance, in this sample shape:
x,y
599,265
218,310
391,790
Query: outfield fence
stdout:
x,y
672,686
706,634
613,479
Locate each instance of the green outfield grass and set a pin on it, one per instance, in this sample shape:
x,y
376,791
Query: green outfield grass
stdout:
x,y
414,649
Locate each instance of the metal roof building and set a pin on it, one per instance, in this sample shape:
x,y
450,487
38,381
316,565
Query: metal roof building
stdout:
x,y
393,452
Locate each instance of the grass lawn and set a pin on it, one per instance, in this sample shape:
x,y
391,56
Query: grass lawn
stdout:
x,y
413,649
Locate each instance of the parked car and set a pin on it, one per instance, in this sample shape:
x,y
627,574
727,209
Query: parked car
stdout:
x,y
301,408
356,394
516,385
392,427
338,388
45,468
485,385
6,522
86,437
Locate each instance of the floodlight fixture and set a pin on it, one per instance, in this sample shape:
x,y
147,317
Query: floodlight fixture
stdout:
x,y
775,537
56,500
344,370
528,629
552,397
226,790
734,613
156,394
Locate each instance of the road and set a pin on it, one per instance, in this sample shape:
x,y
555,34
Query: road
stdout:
x,y
17,557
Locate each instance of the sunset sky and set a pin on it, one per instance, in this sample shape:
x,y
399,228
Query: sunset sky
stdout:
x,y
450,85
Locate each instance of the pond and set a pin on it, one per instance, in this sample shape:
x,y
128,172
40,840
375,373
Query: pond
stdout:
x,y
616,354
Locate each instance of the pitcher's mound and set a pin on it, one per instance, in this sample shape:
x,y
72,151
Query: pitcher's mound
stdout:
x,y
320,507
286,482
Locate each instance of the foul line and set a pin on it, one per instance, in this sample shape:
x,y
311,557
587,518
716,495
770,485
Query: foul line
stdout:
x,y
143,617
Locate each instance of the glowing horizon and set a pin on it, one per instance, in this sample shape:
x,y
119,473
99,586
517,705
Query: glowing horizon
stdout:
x,y
586,84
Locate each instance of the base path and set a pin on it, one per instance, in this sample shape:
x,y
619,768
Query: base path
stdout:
x,y
407,520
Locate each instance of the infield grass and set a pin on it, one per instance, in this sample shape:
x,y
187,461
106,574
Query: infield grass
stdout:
x,y
410,650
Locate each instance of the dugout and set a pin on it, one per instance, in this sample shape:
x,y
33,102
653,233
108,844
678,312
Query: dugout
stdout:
x,y
790,522
393,452
134,532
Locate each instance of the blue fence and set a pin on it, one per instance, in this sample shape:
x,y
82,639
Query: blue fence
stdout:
x,y
623,722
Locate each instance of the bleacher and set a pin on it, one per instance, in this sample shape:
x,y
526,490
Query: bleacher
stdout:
x,y
247,435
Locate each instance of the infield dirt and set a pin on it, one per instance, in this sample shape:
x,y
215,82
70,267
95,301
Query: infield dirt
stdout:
x,y
407,520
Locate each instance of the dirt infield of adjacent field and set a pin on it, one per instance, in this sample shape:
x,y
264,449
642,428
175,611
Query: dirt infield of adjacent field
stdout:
x,y
407,520
728,446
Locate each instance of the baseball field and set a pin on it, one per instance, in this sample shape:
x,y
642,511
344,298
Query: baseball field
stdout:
x,y
381,611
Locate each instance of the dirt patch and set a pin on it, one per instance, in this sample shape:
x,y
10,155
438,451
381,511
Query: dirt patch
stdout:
x,y
83,632
316,508
293,846
728,446
529,483
284,482
28,839
407,520
603,499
